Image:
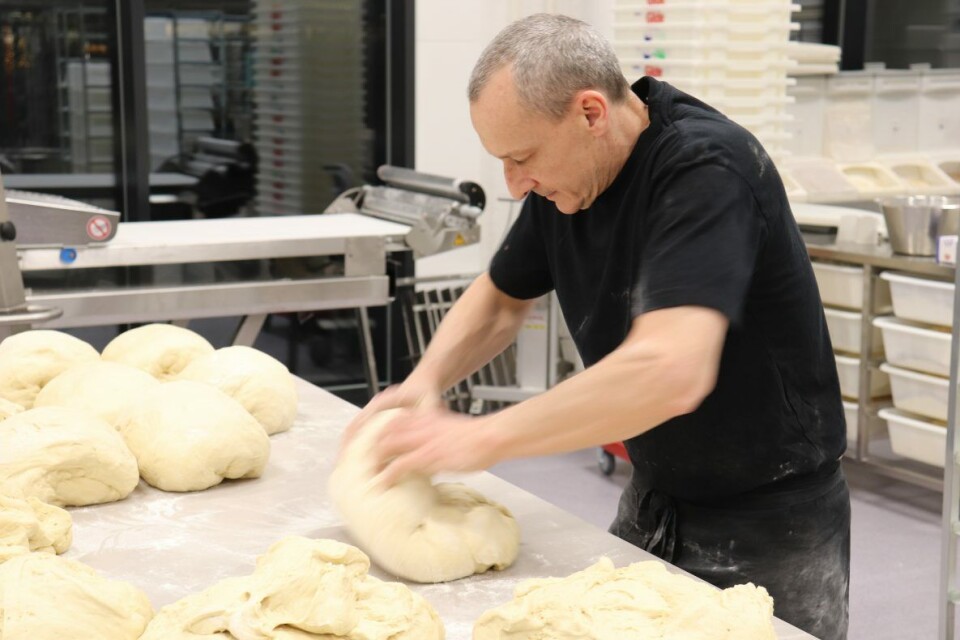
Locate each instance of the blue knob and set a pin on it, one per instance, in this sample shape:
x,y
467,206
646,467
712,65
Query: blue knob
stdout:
x,y
68,255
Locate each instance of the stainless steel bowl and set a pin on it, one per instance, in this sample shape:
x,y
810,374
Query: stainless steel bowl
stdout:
x,y
915,223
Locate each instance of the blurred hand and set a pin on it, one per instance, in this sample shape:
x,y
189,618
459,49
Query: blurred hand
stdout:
x,y
411,394
430,441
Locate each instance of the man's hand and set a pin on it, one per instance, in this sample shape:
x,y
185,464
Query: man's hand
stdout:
x,y
412,394
430,441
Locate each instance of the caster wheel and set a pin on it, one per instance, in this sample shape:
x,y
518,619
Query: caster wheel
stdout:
x,y
606,462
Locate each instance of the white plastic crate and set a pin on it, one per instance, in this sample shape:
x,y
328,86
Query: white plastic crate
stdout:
x,y
920,175
848,370
851,413
716,31
842,286
916,439
691,11
845,331
808,110
939,114
912,347
921,299
895,102
918,393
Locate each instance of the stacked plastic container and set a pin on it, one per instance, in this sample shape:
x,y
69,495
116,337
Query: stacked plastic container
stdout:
x,y
309,101
841,289
730,54
181,77
916,340
90,116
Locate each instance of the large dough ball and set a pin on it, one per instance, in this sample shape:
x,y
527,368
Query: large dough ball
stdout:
x,y
189,436
8,409
162,350
30,525
101,388
29,360
415,529
46,597
66,457
642,600
302,589
259,382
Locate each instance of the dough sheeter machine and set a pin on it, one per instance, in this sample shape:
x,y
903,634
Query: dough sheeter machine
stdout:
x,y
65,263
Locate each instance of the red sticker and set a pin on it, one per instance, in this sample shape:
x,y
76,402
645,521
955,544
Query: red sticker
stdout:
x,y
99,228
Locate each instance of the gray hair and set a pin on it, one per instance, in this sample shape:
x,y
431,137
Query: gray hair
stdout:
x,y
553,57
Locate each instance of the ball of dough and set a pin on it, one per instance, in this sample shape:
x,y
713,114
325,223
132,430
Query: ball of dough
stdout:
x,y
162,350
47,597
101,388
8,409
259,382
30,525
642,600
415,529
29,360
66,457
189,436
309,589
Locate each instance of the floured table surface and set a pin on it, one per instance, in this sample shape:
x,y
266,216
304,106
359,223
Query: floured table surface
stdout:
x,y
171,545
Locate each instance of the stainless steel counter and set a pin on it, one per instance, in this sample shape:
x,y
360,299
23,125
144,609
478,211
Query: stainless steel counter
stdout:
x,y
171,545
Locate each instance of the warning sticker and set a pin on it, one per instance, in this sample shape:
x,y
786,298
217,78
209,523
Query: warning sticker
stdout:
x,y
99,228
459,240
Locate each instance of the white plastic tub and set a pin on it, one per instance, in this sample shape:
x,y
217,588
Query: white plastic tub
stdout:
x,y
845,331
848,370
851,412
915,439
918,393
921,299
842,286
912,347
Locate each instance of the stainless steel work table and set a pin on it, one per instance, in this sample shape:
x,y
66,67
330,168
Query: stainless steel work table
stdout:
x,y
171,545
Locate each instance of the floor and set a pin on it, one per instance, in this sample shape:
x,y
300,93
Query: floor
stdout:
x,y
895,563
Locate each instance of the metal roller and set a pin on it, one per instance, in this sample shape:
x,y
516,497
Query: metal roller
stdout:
x,y
454,188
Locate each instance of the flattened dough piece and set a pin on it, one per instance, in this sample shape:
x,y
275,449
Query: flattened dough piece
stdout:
x,y
302,589
31,525
162,350
101,388
415,529
262,384
642,600
47,597
29,360
66,457
189,436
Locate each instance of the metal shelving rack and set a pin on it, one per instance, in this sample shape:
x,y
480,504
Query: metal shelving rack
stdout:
x,y
873,261
949,592
71,24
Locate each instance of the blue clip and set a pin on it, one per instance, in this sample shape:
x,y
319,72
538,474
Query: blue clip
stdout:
x,y
68,255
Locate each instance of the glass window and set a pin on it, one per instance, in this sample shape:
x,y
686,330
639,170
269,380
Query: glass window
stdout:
x,y
57,125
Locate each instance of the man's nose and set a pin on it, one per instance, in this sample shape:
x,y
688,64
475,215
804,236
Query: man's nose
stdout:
x,y
519,184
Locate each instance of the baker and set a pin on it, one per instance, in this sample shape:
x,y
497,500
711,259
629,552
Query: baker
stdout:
x,y
665,231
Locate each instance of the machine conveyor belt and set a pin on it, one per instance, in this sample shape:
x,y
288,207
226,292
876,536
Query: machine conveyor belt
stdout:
x,y
213,240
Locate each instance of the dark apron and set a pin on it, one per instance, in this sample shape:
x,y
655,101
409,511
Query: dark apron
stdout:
x,y
791,537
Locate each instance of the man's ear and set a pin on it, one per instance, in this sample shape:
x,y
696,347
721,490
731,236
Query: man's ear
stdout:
x,y
593,107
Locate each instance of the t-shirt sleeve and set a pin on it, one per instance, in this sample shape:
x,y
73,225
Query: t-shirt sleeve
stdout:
x,y
702,241
520,267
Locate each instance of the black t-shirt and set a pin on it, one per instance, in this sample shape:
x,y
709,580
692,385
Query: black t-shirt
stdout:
x,y
697,216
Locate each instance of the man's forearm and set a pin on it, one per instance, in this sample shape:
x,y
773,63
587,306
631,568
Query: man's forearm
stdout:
x,y
632,390
481,324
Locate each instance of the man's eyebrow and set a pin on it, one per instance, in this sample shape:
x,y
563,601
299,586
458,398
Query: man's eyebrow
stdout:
x,y
515,154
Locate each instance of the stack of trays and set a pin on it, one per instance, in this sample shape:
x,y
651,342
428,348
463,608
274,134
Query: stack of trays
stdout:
x,y
91,117
180,73
841,289
917,343
732,55
309,100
